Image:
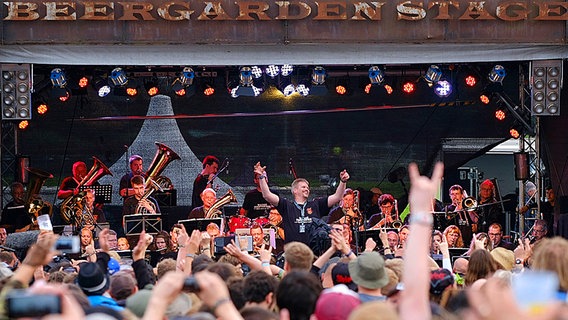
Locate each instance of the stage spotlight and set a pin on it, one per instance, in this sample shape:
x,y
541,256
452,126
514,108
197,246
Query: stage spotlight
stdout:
x,y
118,77
187,76
500,114
246,81
65,95
303,87
342,87
101,86
208,88
497,74
23,125
58,78
131,92
151,86
470,81
389,89
376,75
232,87
256,72
286,70
443,89
408,87
286,86
514,132
42,108
433,75
83,82
272,71
318,87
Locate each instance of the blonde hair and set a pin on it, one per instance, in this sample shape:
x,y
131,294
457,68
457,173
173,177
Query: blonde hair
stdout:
x,y
298,255
550,254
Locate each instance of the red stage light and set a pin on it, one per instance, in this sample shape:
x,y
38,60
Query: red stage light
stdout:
x,y
514,133
470,81
23,125
368,88
181,92
131,91
500,115
65,97
83,82
388,88
341,90
42,108
408,87
153,91
484,99
209,91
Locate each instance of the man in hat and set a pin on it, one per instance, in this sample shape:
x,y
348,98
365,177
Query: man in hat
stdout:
x,y
368,273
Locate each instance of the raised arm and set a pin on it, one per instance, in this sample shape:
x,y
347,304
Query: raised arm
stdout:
x,y
272,198
414,302
338,195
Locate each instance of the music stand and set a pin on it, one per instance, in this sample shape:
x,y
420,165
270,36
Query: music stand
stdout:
x,y
134,224
103,193
457,252
201,224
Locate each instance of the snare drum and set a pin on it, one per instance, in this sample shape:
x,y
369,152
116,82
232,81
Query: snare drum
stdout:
x,y
238,222
261,221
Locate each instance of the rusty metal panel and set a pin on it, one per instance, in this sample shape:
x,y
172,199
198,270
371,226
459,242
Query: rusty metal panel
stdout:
x,y
273,22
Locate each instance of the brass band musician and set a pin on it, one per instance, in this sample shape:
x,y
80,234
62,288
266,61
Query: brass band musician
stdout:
x,y
348,211
140,202
204,179
69,185
208,197
466,220
136,169
388,214
14,216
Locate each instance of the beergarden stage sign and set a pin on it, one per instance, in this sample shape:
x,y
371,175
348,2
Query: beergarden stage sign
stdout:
x,y
229,21
283,10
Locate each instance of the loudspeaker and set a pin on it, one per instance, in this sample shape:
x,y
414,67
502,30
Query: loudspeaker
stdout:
x,y
521,165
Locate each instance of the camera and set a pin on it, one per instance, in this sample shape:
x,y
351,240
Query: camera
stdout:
x,y
68,244
191,285
21,303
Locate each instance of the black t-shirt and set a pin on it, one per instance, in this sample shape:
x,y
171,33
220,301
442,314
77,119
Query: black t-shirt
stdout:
x,y
197,213
125,181
255,204
199,185
291,217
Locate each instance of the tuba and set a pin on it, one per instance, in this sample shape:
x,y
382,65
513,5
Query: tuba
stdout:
x,y
164,155
72,207
33,203
229,197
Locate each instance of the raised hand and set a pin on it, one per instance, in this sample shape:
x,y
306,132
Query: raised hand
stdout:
x,y
422,188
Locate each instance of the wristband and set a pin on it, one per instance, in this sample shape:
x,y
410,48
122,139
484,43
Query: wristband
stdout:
x,y
344,181
218,303
265,264
423,219
190,255
262,176
181,246
349,253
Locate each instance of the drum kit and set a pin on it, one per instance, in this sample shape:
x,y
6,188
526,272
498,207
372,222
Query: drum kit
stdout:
x,y
239,222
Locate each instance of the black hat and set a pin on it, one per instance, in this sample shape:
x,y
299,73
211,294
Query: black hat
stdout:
x,y
92,280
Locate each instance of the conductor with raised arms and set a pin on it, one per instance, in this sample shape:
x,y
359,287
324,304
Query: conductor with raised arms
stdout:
x,y
298,213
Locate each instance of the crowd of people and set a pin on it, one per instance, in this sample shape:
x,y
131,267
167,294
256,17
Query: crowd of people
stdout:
x,y
410,270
